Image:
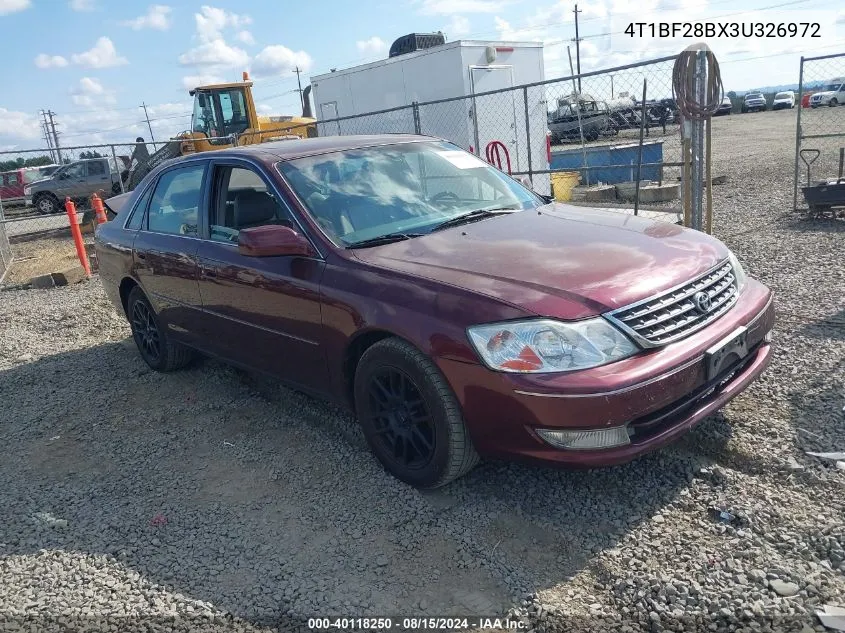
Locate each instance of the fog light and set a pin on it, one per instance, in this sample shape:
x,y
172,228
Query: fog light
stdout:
x,y
768,338
586,440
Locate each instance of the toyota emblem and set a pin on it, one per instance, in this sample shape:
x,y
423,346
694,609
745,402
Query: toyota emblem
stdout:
x,y
702,302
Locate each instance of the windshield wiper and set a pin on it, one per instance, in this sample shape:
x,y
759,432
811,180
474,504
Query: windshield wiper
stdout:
x,y
471,216
388,238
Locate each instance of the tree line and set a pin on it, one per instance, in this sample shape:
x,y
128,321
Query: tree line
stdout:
x,y
40,161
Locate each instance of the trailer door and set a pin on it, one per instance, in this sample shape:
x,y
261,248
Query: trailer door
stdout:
x,y
495,115
328,111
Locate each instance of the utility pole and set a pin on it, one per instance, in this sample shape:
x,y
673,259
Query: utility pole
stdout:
x,y
46,129
147,116
577,47
50,114
299,89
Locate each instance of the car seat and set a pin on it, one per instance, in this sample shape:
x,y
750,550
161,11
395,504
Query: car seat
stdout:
x,y
255,208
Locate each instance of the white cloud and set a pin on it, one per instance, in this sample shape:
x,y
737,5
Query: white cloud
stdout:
x,y
192,81
157,17
211,22
90,92
458,27
103,55
216,53
13,6
280,60
245,37
50,61
264,108
19,125
372,46
81,5
449,7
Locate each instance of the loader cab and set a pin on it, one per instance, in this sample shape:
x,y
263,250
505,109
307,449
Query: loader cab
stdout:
x,y
220,113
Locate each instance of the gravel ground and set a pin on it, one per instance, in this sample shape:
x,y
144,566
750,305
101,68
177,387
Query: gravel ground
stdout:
x,y
211,499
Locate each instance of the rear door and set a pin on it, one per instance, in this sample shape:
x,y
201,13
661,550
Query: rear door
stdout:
x,y
97,177
495,115
328,112
165,249
263,312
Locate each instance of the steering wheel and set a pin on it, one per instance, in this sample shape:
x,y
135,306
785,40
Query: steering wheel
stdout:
x,y
444,196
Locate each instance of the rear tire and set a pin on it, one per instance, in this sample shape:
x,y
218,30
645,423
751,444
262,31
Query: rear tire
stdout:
x,y
154,345
410,416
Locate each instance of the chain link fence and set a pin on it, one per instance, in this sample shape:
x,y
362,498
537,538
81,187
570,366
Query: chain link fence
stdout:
x,y
588,124
820,130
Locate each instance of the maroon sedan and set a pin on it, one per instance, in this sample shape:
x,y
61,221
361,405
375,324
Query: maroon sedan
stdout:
x,y
459,314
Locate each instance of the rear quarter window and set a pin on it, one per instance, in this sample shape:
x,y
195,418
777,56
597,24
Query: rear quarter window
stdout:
x,y
136,219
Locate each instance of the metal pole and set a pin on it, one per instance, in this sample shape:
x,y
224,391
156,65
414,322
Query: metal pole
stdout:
x,y
640,151
119,171
527,134
149,126
299,83
55,136
798,135
611,86
699,76
578,47
580,127
416,112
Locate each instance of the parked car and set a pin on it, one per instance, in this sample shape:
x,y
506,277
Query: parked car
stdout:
x,y
569,119
78,180
726,107
12,183
782,100
754,102
832,94
457,313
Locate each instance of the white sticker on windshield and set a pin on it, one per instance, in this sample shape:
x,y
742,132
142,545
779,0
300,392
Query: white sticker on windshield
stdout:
x,y
462,160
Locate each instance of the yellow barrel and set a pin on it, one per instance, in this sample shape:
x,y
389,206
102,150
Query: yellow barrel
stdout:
x,y
563,182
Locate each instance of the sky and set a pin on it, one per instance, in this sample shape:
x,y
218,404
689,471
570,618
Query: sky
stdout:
x,y
95,62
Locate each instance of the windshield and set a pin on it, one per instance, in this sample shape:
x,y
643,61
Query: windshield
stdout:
x,y
754,95
361,194
783,95
832,88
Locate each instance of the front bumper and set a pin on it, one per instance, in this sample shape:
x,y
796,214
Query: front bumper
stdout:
x,y
658,395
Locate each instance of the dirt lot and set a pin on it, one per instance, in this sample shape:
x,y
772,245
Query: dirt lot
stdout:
x,y
211,497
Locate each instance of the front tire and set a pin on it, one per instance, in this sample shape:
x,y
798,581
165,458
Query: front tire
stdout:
x,y
47,204
833,103
154,344
410,416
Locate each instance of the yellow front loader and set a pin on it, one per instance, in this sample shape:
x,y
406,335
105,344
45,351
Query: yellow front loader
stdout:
x,y
224,116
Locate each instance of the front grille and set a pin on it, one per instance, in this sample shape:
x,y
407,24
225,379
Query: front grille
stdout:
x,y
677,313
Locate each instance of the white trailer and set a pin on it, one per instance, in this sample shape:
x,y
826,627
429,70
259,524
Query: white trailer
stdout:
x,y
455,69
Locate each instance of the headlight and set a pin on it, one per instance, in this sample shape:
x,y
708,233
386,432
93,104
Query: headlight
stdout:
x,y
27,191
544,345
739,272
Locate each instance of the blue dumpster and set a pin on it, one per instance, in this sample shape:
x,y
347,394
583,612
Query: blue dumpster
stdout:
x,y
611,164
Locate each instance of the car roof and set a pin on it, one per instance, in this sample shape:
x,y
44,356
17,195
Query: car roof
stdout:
x,y
299,148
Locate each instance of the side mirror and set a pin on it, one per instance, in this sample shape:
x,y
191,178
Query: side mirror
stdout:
x,y
273,240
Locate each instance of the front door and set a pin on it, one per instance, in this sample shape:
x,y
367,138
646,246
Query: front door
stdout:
x,y
262,312
165,249
495,114
71,181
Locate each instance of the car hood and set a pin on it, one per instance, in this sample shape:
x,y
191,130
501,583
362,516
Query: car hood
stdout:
x,y
754,99
41,181
559,260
